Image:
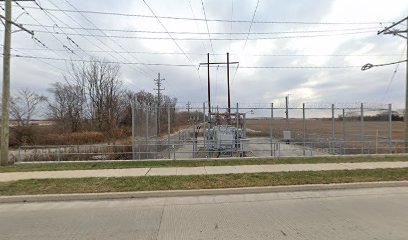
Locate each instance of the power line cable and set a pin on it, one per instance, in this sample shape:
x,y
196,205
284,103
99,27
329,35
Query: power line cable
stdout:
x,y
46,30
222,54
190,65
211,20
394,73
208,29
213,39
175,42
206,33
171,37
114,42
204,47
250,26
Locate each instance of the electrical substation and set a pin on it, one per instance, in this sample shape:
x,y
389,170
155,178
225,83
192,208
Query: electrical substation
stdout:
x,y
226,133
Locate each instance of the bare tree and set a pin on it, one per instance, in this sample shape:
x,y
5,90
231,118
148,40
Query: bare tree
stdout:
x,y
91,93
24,105
67,106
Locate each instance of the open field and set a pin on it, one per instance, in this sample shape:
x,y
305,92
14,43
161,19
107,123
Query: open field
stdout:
x,y
349,134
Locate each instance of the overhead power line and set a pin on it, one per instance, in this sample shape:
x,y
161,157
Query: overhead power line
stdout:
x,y
107,36
186,65
209,20
221,54
250,26
208,29
205,33
203,39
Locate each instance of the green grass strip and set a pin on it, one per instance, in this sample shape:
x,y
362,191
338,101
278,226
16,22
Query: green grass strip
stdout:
x,y
186,163
151,183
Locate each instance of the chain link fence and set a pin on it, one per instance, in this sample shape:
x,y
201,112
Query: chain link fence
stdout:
x,y
272,130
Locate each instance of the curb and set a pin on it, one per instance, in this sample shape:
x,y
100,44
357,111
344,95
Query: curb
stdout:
x,y
198,192
394,155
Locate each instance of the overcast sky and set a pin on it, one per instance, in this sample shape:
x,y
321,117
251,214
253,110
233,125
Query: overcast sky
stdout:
x,y
288,27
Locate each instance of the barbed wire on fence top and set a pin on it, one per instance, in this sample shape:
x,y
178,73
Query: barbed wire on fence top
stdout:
x,y
282,105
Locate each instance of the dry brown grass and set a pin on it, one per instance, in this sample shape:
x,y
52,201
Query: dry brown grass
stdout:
x,y
324,127
321,130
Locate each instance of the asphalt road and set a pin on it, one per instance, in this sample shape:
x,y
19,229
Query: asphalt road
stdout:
x,y
379,213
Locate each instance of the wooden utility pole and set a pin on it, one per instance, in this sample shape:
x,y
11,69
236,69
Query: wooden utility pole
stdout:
x,y
158,84
6,86
208,84
397,32
5,124
228,80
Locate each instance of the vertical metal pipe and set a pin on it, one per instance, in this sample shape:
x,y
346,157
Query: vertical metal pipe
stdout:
x,y
333,129
287,111
362,138
147,124
390,128
228,80
406,99
237,116
204,132
133,130
271,130
344,130
208,84
236,132
304,129
168,129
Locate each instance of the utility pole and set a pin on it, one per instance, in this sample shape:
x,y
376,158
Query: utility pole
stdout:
x,y
5,124
208,63
6,86
158,84
397,32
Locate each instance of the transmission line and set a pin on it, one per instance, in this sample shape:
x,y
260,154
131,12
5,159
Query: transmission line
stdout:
x,y
115,42
213,39
189,65
209,20
208,29
250,25
206,33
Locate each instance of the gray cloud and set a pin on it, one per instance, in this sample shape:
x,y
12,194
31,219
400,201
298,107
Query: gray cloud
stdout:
x,y
249,85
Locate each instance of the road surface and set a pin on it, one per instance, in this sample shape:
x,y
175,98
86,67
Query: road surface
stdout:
x,y
379,213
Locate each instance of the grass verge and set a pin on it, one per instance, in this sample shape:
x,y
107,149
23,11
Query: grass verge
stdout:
x,y
151,183
185,163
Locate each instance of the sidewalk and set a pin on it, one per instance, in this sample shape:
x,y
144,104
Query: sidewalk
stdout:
x,y
207,170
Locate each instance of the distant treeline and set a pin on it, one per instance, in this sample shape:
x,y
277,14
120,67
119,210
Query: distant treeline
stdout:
x,y
377,117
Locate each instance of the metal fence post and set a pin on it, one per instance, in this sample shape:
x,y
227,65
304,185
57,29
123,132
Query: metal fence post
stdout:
x,y
344,130
132,106
168,129
362,138
59,154
204,132
333,130
304,128
271,131
390,128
